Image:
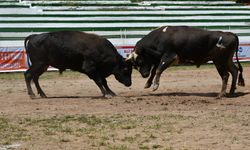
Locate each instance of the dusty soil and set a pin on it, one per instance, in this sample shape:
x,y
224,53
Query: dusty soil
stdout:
x,y
182,114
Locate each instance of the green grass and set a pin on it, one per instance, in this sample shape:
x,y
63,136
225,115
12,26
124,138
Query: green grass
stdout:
x,y
101,129
46,75
11,76
204,66
107,132
12,131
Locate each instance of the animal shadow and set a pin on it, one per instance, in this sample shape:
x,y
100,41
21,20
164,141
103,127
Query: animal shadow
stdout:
x,y
210,94
72,97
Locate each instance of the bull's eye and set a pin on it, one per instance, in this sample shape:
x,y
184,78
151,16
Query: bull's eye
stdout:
x,y
139,62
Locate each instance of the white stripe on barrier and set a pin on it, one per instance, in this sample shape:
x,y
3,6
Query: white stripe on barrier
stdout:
x,y
98,25
121,33
155,12
46,8
122,18
129,2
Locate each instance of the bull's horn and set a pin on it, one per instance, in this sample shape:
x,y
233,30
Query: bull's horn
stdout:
x,y
135,55
132,56
129,57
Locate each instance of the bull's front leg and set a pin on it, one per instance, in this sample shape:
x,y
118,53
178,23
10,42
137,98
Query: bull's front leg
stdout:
x,y
108,90
167,59
99,83
88,67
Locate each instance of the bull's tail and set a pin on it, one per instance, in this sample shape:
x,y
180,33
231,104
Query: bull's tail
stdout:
x,y
26,43
241,81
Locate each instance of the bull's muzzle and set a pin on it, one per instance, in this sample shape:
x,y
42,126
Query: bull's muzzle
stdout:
x,y
145,74
128,84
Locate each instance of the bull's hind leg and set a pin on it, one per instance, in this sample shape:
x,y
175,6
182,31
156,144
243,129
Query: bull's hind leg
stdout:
x,y
234,72
223,71
39,72
166,60
28,77
33,73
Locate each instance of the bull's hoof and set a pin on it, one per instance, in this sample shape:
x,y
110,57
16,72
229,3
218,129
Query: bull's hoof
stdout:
x,y
220,95
112,93
43,95
107,96
32,96
232,95
147,85
155,87
241,83
232,91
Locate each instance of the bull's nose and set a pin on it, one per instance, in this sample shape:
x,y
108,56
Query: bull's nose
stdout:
x,y
145,74
128,84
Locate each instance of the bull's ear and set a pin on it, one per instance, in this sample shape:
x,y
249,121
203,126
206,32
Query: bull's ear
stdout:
x,y
153,52
138,50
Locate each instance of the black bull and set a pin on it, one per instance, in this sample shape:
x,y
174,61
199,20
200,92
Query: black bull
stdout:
x,y
180,44
78,51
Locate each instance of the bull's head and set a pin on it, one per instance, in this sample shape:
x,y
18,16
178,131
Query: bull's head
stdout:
x,y
140,62
123,72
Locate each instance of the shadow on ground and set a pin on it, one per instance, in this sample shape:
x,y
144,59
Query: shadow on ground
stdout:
x,y
211,94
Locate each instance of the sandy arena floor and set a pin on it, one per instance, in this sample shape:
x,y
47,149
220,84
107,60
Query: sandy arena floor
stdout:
x,y
185,100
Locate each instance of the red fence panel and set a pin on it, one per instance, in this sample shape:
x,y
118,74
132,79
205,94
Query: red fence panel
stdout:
x,y
15,59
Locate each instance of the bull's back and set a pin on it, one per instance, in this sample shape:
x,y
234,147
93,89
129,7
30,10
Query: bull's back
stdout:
x,y
189,43
193,43
69,49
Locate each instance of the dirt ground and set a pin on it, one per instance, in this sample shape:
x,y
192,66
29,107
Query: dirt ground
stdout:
x,y
182,114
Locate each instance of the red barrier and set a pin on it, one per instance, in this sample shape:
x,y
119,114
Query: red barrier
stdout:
x,y
14,58
13,61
